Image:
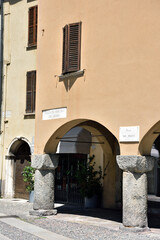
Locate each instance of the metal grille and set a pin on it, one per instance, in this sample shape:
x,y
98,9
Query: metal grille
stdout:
x,y
66,187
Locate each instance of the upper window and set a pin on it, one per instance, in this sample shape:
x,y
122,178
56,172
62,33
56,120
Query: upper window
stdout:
x,y
32,26
71,48
31,92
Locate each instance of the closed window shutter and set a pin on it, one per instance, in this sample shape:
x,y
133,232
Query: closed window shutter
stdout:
x,y
65,49
36,23
32,26
71,48
74,44
31,92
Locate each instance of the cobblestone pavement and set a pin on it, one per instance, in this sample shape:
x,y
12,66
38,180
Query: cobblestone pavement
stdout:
x,y
15,233
89,232
74,224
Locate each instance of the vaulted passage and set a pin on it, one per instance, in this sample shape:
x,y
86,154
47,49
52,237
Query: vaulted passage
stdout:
x,y
77,143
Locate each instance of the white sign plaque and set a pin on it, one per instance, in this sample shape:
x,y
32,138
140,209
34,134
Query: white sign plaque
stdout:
x,y
129,134
54,113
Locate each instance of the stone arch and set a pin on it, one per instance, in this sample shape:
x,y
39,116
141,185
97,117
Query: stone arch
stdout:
x,y
16,143
18,156
148,139
147,147
110,147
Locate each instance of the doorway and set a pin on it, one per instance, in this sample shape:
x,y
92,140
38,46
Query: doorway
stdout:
x,y
22,159
66,187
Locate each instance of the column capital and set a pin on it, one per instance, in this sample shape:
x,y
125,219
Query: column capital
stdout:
x,y
45,161
135,164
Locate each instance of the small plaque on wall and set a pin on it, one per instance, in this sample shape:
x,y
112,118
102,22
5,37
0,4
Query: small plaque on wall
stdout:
x,y
55,113
129,134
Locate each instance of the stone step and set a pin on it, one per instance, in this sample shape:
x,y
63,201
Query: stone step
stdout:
x,y
30,228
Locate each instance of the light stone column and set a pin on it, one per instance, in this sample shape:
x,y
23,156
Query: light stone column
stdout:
x,y
45,166
135,190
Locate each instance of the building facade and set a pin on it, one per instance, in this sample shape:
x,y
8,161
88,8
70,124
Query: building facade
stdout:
x,y
98,70
18,96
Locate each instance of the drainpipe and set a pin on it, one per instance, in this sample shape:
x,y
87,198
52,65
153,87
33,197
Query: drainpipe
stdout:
x,y
1,81
1,62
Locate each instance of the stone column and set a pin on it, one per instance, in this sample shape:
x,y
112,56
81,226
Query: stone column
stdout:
x,y
44,184
135,189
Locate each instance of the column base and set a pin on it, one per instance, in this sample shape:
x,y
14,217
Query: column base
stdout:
x,y
42,212
133,229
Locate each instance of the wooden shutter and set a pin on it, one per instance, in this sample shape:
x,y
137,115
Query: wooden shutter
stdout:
x,y
65,49
71,48
32,26
31,92
34,90
74,47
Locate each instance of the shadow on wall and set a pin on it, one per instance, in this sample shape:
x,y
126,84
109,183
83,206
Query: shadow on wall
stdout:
x,y
68,83
110,143
70,78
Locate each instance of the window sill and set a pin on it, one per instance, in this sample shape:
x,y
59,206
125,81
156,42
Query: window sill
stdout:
x,y
29,116
31,48
73,74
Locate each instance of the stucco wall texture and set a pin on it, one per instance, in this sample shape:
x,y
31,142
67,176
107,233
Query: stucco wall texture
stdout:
x,y
120,52
17,62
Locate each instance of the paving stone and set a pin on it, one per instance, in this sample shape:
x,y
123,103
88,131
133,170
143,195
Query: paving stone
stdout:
x,y
73,223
